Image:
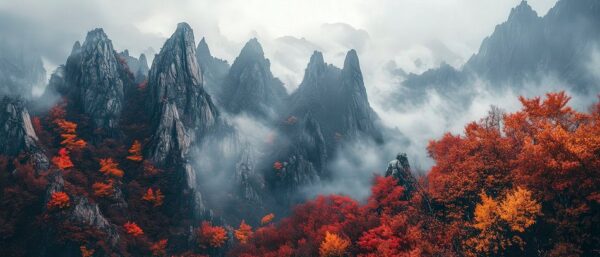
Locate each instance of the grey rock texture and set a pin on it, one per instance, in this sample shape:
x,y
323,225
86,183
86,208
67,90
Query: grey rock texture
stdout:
x,y
96,80
214,70
20,70
137,66
337,99
399,168
175,79
250,86
17,134
249,184
88,214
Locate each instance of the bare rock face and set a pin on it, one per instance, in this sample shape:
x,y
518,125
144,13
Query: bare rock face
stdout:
x,y
88,214
171,138
337,99
96,80
304,158
399,168
17,134
175,79
214,70
247,181
250,86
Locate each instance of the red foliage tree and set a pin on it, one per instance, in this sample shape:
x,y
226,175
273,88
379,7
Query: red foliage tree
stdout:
x,y
133,229
135,152
210,236
109,167
58,200
62,161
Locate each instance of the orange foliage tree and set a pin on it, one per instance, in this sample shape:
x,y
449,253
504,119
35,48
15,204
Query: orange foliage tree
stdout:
x,y
102,189
210,236
85,252
62,161
333,246
109,167
243,232
133,229
58,200
135,152
267,219
155,197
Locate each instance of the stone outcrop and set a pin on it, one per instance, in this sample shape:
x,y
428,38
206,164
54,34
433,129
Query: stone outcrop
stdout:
x,y
399,168
137,66
95,80
250,87
17,134
213,70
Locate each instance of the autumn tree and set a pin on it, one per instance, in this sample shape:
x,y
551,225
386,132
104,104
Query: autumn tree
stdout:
x,y
267,219
109,167
154,197
159,248
58,200
499,225
102,189
133,229
333,246
277,165
210,236
135,152
243,232
62,161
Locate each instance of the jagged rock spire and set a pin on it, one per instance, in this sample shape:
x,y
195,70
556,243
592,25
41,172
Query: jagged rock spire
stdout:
x,y
175,78
213,70
95,81
250,86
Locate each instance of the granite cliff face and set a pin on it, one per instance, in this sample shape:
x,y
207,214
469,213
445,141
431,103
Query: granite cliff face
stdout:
x,y
337,99
175,79
250,87
95,81
214,70
17,134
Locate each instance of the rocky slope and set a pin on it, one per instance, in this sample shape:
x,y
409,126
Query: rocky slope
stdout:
x,y
137,66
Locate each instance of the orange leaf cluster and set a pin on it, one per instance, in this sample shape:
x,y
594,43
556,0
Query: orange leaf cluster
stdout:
x,y
333,246
58,200
68,133
155,197
136,152
62,161
278,165
103,189
210,236
267,219
109,167
133,229
159,248
243,233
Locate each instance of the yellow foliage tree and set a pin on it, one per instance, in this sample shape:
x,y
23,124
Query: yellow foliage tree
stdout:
x,y
519,209
333,245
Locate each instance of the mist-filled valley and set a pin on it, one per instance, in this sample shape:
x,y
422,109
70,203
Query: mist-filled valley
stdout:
x,y
344,136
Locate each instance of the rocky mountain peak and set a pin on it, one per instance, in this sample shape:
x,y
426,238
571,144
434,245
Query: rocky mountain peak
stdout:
x,y
95,81
213,70
202,49
250,86
522,12
76,47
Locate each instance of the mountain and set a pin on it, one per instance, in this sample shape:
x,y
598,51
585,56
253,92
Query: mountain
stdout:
x,y
337,99
20,70
250,86
524,49
137,66
213,70
94,80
